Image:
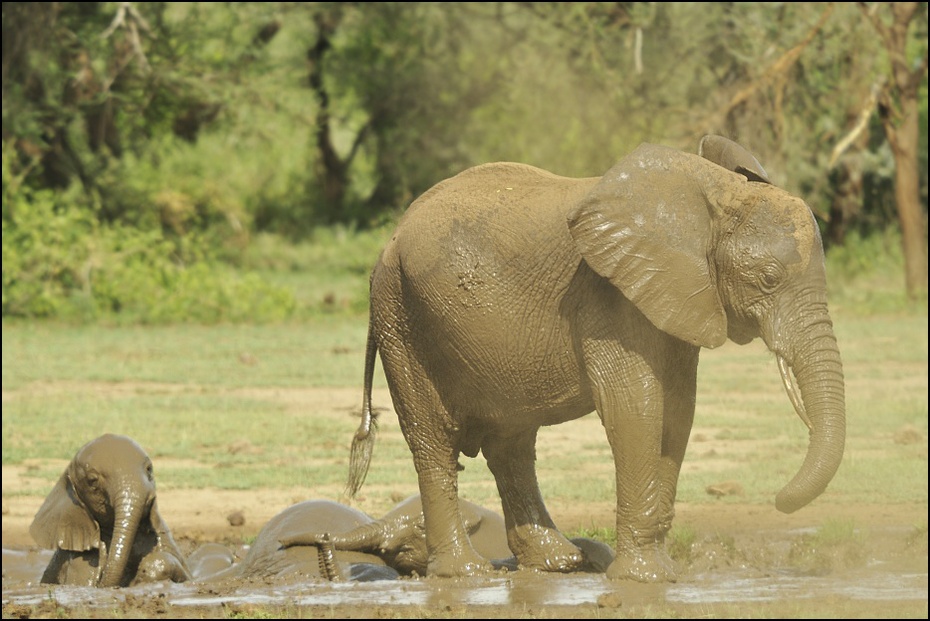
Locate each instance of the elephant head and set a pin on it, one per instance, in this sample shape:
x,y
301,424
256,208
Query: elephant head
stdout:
x,y
105,502
707,250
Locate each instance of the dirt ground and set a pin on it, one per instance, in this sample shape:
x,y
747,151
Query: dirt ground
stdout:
x,y
746,560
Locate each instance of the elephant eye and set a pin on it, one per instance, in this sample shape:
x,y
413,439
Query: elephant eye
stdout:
x,y
769,277
150,471
92,479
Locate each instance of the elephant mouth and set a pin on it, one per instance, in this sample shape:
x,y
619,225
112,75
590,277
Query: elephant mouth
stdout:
x,y
791,387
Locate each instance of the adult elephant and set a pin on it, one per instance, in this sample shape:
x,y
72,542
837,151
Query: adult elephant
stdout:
x,y
102,520
510,298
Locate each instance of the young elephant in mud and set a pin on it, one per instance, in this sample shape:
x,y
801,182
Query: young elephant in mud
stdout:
x,y
399,539
102,520
323,539
267,558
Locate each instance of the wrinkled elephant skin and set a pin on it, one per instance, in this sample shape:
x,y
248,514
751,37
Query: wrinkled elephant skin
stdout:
x,y
102,521
510,298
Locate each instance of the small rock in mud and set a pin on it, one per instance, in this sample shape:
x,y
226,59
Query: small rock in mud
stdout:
x,y
611,599
236,518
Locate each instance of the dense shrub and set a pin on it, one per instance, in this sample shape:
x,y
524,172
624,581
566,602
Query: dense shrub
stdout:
x,y
60,261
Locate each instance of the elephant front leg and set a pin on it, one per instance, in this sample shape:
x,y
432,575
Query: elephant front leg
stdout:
x,y
633,419
677,420
531,533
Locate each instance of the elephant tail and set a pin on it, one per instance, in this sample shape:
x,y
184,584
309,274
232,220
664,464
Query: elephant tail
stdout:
x,y
363,443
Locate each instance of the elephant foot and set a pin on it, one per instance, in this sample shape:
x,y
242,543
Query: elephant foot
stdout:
x,y
161,565
546,549
453,565
647,564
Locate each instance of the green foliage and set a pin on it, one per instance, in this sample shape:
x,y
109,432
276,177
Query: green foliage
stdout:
x,y
45,250
209,142
60,261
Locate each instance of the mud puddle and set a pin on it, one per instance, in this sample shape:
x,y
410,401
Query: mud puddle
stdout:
x,y
879,581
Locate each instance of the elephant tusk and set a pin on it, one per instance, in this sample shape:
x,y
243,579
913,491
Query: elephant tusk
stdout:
x,y
791,387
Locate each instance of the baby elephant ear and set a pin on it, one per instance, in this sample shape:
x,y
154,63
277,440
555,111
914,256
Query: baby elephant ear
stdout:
x,y
646,227
63,523
733,157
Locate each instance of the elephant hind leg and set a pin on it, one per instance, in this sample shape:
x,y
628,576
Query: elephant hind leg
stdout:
x,y
531,533
429,432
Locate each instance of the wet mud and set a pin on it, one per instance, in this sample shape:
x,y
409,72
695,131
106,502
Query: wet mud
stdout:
x,y
881,573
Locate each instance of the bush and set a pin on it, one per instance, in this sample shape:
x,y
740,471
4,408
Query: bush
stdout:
x,y
60,261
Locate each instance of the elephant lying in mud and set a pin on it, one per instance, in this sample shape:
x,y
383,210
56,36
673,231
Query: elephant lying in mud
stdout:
x,y
267,558
102,520
509,298
322,539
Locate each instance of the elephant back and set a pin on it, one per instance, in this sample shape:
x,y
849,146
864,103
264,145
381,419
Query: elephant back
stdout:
x,y
267,558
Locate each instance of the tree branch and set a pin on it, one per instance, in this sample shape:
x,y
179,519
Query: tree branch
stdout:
x,y
861,123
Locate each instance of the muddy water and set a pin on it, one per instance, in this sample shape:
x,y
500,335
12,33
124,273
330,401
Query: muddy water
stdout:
x,y
877,581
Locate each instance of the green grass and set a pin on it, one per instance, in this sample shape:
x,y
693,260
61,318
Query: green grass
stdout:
x,y
326,351
192,392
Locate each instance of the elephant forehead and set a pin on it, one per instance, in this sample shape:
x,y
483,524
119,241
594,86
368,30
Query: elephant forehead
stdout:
x,y
785,224
110,450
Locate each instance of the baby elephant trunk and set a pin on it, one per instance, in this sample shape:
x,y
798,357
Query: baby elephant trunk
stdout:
x,y
128,513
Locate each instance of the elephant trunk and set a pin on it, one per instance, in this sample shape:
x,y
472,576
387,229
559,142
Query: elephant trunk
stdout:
x,y
128,511
819,397
361,539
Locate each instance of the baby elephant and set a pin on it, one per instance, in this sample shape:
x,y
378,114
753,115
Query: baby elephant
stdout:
x,y
102,520
399,539
268,559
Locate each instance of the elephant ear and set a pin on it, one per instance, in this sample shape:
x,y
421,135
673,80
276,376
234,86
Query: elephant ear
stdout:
x,y
62,522
732,156
646,227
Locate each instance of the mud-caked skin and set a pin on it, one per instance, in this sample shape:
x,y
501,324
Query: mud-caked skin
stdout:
x,y
269,558
399,538
509,298
102,520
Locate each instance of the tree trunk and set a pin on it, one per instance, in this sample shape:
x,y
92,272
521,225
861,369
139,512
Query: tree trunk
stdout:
x,y
899,111
904,144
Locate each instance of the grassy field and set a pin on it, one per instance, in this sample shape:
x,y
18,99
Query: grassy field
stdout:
x,y
190,392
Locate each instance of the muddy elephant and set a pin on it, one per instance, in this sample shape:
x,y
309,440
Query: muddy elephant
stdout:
x,y
398,538
102,520
509,298
268,558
